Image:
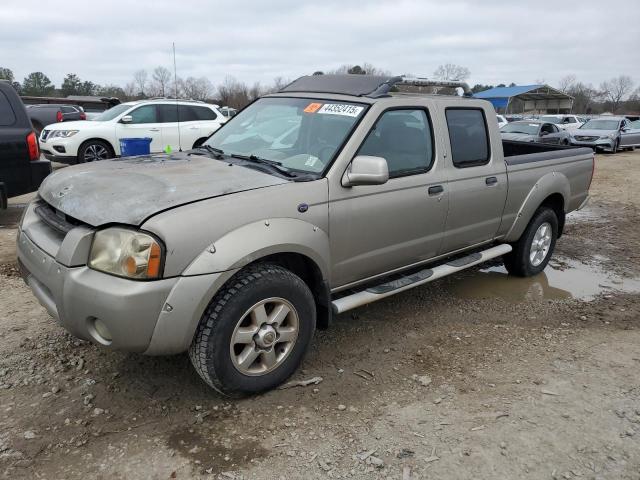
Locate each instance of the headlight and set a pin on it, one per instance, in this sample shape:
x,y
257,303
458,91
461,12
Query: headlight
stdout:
x,y
62,133
607,137
126,253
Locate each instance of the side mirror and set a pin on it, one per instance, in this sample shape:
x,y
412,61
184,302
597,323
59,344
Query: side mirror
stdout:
x,y
126,119
366,170
544,134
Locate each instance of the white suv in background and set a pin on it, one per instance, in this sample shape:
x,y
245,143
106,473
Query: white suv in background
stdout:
x,y
99,138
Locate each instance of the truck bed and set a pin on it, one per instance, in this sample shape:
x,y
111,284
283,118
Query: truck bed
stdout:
x,y
532,168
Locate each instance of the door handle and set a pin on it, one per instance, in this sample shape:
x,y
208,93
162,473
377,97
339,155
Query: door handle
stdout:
x,y
154,129
436,190
194,128
491,180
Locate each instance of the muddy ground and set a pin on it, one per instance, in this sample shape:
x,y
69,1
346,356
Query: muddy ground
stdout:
x,y
475,376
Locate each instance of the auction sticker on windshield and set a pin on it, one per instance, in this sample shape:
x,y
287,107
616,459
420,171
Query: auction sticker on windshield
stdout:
x,y
341,109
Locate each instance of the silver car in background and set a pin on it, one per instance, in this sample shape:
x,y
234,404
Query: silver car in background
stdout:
x,y
534,131
609,134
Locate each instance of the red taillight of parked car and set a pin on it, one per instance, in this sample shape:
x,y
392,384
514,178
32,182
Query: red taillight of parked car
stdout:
x,y
58,116
83,116
32,144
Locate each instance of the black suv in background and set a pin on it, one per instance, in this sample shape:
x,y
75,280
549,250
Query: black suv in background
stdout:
x,y
21,170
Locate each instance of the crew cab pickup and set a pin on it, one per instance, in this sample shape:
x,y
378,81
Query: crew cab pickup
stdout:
x,y
21,170
333,193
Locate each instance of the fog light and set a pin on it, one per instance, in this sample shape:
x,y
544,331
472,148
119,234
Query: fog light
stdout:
x,y
99,331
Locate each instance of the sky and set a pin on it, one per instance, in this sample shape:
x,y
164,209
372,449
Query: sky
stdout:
x,y
499,41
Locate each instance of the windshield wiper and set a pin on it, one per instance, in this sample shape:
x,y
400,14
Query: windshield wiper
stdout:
x,y
277,166
216,151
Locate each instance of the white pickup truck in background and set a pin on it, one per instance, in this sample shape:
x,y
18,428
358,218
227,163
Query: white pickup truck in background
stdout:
x,y
564,122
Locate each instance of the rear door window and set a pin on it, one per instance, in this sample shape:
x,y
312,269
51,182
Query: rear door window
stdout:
x,y
168,113
468,136
7,116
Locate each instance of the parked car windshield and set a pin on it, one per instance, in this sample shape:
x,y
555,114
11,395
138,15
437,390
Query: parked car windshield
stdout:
x,y
601,125
524,127
112,113
549,119
299,133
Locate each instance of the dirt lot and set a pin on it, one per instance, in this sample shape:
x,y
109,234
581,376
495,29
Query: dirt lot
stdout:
x,y
475,376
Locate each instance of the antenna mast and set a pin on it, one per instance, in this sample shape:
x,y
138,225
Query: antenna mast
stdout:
x,y
175,87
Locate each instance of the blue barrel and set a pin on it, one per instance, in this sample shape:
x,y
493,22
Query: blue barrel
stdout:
x,y
135,146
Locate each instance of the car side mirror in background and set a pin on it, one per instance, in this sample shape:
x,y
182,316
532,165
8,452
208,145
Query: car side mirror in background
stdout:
x,y
126,119
543,134
366,170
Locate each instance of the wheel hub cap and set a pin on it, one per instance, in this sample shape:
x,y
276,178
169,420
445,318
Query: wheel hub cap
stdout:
x,y
541,244
264,336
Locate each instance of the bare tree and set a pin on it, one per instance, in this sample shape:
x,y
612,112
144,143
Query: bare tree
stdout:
x,y
197,88
365,69
162,80
566,83
233,93
140,81
615,90
255,91
451,71
584,97
130,90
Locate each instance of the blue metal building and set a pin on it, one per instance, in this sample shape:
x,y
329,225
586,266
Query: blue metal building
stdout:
x,y
532,99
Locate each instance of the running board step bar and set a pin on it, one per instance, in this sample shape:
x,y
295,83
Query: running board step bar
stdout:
x,y
378,292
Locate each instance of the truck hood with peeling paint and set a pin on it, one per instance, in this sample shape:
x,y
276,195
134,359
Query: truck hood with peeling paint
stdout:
x,y
129,190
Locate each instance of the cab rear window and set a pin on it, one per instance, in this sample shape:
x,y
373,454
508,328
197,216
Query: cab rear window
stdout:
x,y
468,136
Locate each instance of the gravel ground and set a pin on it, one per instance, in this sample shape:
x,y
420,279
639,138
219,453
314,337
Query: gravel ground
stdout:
x,y
474,376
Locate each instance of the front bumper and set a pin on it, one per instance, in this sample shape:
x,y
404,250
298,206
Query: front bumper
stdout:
x,y
77,296
62,150
156,317
600,144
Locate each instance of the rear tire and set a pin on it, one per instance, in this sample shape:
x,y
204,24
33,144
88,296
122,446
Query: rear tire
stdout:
x,y
532,252
255,332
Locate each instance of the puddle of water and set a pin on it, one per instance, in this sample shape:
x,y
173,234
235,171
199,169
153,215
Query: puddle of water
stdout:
x,y
562,279
590,214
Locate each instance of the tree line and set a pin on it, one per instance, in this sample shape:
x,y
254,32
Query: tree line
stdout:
x,y
615,95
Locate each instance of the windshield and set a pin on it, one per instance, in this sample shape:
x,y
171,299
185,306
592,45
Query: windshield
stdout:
x,y
112,113
556,120
299,133
601,125
517,127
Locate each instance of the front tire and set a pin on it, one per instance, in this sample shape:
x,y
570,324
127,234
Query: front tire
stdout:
x,y
255,332
94,151
532,252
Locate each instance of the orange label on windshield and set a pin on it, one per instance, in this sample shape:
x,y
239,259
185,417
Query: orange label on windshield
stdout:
x,y
312,108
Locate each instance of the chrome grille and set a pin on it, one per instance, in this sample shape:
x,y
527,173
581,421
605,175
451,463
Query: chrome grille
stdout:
x,y
583,138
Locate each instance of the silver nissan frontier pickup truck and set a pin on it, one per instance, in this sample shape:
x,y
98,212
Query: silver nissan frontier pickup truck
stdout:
x,y
333,193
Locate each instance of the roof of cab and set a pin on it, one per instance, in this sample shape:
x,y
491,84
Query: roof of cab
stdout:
x,y
370,86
